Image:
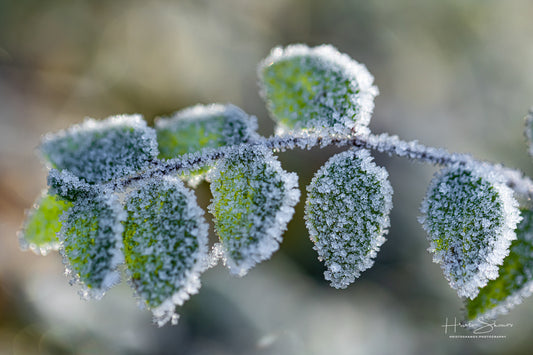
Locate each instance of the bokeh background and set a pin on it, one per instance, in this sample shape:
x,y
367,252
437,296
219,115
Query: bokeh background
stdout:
x,y
452,73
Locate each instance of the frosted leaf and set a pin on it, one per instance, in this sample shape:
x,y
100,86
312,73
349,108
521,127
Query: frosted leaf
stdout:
x,y
514,282
470,216
347,214
313,88
42,224
253,200
203,126
99,151
91,242
68,186
165,245
529,131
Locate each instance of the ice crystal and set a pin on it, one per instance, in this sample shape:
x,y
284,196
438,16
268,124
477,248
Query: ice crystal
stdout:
x,y
392,145
42,224
310,88
68,186
253,200
347,214
203,126
515,280
98,151
470,216
91,242
165,245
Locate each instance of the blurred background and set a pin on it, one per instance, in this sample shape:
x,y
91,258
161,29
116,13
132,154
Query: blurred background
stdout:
x,y
453,73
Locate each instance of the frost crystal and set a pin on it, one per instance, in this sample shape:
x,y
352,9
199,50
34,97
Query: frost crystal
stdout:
x,y
515,280
91,242
253,200
99,151
392,145
43,223
347,214
165,245
68,186
312,88
470,216
203,127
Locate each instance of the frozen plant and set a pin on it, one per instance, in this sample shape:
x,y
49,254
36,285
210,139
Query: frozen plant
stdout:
x,y
116,195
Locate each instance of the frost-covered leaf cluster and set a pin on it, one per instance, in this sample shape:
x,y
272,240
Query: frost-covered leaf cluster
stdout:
x,y
347,214
515,280
470,216
98,151
93,215
91,243
316,88
115,196
165,244
253,200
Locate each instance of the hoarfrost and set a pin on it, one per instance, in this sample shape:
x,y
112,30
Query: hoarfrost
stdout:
x,y
217,253
165,245
203,127
253,201
310,88
68,186
99,151
470,216
42,223
515,280
347,214
386,143
91,243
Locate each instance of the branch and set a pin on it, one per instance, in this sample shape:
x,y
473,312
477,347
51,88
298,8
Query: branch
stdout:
x,y
383,143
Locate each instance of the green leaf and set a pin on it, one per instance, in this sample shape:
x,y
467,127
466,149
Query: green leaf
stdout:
x,y
42,224
165,245
99,151
203,127
347,214
253,200
316,88
515,280
470,216
91,243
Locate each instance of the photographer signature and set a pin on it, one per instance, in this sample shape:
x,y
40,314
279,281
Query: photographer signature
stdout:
x,y
483,327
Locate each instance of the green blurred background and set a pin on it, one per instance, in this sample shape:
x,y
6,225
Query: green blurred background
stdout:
x,y
454,74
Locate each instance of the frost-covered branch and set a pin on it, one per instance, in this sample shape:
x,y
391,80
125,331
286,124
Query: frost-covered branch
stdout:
x,y
116,197
383,143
